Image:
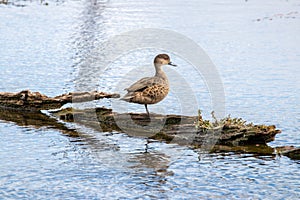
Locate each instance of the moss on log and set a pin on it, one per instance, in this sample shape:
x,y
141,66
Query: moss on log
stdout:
x,y
35,101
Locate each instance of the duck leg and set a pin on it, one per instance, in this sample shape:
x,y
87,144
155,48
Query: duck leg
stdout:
x,y
146,146
147,110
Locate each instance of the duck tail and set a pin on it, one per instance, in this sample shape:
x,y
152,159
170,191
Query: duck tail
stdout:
x,y
127,97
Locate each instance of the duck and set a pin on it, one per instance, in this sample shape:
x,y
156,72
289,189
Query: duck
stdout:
x,y
150,90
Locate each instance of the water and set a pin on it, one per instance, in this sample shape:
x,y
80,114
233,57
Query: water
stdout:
x,y
254,45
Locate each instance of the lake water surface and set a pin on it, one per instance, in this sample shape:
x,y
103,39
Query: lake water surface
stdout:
x,y
255,47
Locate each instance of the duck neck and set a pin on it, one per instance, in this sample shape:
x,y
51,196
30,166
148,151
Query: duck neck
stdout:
x,y
159,71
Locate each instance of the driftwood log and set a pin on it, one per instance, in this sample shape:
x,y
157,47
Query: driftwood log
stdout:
x,y
228,134
35,101
184,129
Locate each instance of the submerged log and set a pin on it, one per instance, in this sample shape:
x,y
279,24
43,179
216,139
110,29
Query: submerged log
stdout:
x,y
291,152
39,120
226,135
35,120
35,101
182,129
260,150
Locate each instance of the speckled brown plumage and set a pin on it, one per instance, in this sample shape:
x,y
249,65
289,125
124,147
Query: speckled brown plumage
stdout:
x,y
150,90
149,95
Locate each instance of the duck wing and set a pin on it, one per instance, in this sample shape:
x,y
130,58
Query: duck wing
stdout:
x,y
144,83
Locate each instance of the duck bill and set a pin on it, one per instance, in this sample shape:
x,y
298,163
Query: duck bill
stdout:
x,y
170,63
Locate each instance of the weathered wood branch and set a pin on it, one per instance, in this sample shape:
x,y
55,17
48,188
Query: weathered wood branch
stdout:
x,y
35,101
228,134
234,135
185,129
